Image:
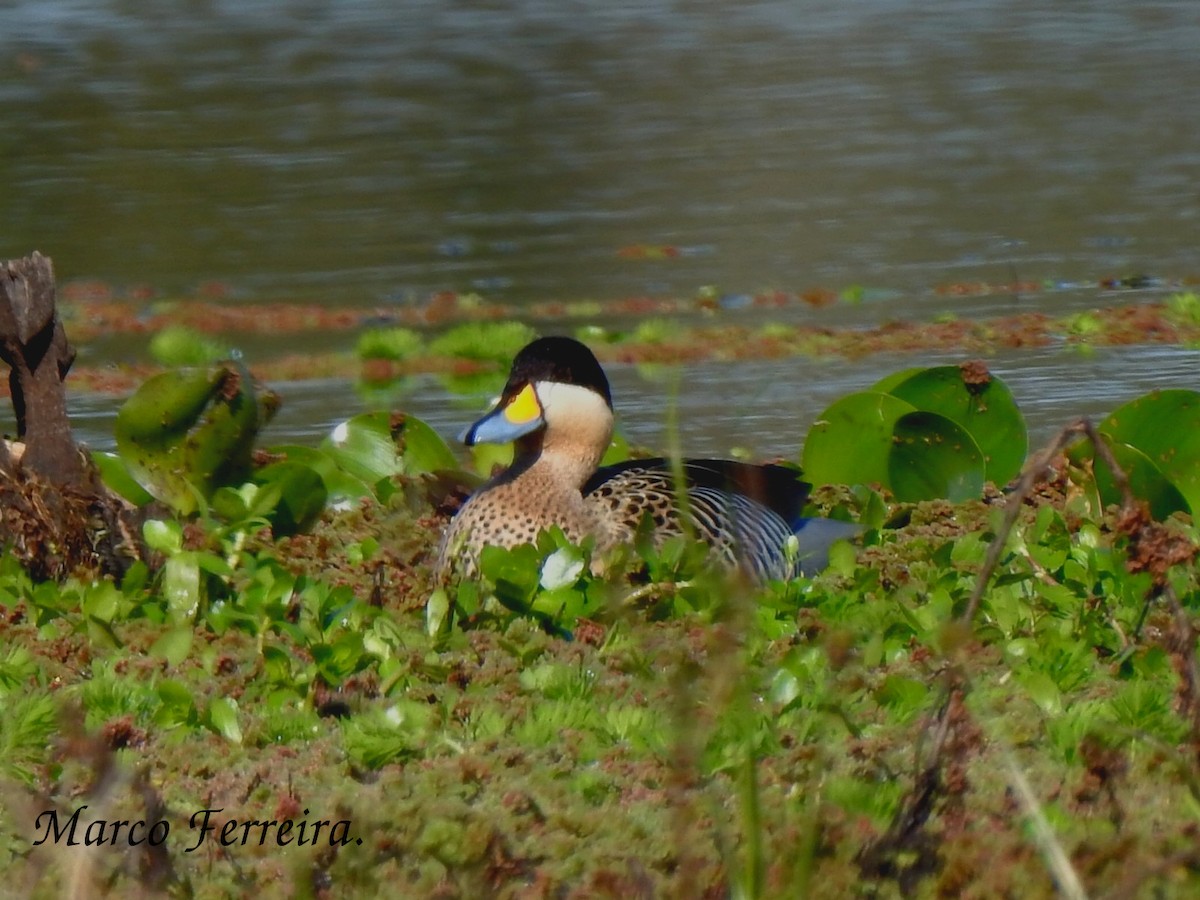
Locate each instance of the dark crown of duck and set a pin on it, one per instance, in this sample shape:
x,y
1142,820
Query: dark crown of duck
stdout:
x,y
545,361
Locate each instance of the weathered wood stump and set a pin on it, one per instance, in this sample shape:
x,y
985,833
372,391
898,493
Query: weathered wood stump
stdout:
x,y
34,344
56,516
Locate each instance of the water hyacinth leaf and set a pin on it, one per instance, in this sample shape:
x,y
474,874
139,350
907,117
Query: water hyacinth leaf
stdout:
x,y
187,432
851,441
1165,427
297,493
486,459
977,401
339,484
934,457
116,478
365,447
424,450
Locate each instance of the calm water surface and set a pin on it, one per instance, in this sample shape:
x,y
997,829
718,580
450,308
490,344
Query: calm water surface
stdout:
x,y
368,152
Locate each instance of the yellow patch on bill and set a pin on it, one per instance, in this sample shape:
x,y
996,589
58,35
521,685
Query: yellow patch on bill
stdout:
x,y
524,407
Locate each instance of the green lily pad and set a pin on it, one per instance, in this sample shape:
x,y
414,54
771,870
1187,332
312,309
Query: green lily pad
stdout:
x,y
1146,480
985,410
933,456
850,443
1165,427
339,484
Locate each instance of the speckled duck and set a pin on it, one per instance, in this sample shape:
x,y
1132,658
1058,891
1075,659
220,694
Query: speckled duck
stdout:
x,y
557,407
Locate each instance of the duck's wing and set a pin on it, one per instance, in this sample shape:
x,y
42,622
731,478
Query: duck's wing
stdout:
x,y
745,512
778,488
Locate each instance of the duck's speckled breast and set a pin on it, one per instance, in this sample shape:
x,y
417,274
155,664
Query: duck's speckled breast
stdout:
x,y
509,511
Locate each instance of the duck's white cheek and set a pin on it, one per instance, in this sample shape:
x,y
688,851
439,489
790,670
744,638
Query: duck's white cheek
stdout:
x,y
566,403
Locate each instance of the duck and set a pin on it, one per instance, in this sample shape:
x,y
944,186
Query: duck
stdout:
x,y
556,408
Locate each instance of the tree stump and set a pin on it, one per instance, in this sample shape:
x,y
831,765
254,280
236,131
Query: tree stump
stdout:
x,y
56,517
35,346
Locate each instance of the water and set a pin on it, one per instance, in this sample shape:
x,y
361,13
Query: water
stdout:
x,y
367,152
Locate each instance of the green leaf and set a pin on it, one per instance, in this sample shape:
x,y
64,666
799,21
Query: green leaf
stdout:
x,y
1146,480
174,644
485,458
986,411
182,586
177,345
117,478
176,705
933,457
365,447
424,449
339,484
389,343
1165,427
851,441
514,573
186,433
437,613
164,537
292,498
223,717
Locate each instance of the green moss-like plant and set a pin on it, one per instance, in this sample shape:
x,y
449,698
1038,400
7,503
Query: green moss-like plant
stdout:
x,y
177,345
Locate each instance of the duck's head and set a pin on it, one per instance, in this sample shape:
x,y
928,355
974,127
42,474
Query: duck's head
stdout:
x,y
556,393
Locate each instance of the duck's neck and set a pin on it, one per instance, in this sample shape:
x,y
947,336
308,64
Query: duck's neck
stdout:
x,y
569,463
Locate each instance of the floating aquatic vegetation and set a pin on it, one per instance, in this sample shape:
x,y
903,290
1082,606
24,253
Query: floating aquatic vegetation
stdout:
x,y
187,432
393,344
177,345
921,433
1155,438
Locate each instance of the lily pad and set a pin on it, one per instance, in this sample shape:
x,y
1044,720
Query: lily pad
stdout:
x,y
1165,427
850,443
1146,480
933,456
983,406
424,450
